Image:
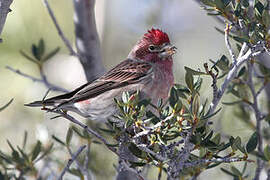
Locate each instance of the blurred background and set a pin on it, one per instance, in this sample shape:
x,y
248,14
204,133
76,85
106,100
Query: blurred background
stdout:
x,y
120,24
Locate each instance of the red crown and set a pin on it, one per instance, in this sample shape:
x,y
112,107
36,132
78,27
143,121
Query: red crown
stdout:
x,y
157,36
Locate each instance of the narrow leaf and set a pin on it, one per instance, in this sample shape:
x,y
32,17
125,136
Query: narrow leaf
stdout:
x,y
252,142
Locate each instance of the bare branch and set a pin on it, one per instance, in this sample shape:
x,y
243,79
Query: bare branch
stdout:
x,y
4,10
89,130
177,164
87,40
60,32
214,80
215,160
232,73
43,79
84,170
144,148
259,117
70,161
228,44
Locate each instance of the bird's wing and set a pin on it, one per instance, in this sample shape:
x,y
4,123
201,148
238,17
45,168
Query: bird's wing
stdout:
x,y
128,72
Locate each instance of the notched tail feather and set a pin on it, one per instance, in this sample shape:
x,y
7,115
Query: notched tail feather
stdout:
x,y
40,104
57,100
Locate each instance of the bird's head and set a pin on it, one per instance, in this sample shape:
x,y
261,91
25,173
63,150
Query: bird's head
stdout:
x,y
154,47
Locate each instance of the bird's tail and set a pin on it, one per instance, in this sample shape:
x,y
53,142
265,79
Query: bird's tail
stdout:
x,y
41,103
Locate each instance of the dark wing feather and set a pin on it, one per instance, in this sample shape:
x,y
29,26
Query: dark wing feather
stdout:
x,y
128,72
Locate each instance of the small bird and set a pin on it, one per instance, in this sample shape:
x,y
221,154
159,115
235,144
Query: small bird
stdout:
x,y
147,69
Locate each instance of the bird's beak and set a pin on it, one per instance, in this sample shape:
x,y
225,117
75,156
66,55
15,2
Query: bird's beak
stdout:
x,y
167,51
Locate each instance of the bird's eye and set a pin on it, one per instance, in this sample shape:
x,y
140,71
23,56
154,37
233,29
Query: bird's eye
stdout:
x,y
151,48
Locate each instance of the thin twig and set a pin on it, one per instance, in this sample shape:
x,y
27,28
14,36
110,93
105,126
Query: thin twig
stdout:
x,y
214,80
89,130
261,89
70,161
42,80
144,148
228,44
84,171
60,32
243,49
215,160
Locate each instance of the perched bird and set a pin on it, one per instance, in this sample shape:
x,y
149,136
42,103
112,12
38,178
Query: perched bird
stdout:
x,y
148,69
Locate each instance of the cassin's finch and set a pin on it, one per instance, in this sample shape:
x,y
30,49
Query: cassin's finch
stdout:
x,y
148,69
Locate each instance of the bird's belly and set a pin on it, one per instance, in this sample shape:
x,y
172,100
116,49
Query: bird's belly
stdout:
x,y
100,108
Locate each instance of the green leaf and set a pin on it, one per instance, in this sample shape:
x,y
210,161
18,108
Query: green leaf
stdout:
x,y
194,72
241,39
109,131
198,84
228,172
236,171
24,139
202,152
207,116
241,72
208,137
208,2
24,155
69,136
41,47
217,138
237,10
36,150
245,3
45,153
232,103
267,152
125,97
51,54
173,97
222,63
195,104
35,52
76,172
135,150
242,91
58,140
189,80
6,105
10,145
137,164
236,143
252,143
259,8
128,123
78,131
112,145
266,19
178,106
226,2
219,4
